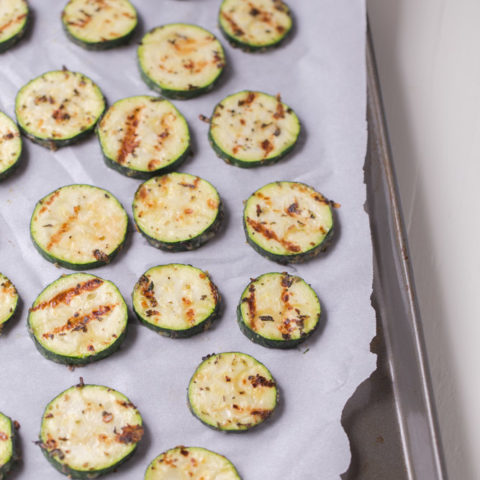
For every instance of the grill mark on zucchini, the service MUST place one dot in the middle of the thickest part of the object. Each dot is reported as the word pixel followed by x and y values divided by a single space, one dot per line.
pixel 271 235
pixel 130 142
pixel 55 238
pixel 18 19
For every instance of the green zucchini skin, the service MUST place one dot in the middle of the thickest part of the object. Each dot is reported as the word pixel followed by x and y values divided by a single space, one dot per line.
pixel 6 284
pixel 14 39
pixel 202 326
pixel 54 456
pixel 6 172
pixel 7 466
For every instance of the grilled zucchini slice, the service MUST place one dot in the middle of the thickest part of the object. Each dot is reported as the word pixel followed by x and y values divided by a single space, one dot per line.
pixel 187 463
pixel 78 319
pixel 176 300
pixel 278 310
pixel 14 15
pixel 250 129
pixel 288 222
pixel 255 25
pixel 89 430
pixel 181 60
pixel 8 300
pixel 79 226
pixel 143 136
pixel 10 146
pixel 177 211
pixel 98 25
pixel 232 392
pixel 58 108
pixel 7 444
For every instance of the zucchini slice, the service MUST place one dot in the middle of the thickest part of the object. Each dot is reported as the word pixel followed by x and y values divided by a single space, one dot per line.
pixel 288 222
pixel 232 392
pixel 180 60
pixel 250 129
pixel 187 463
pixel 176 300
pixel 79 226
pixel 14 15
pixel 8 300
pixel 278 310
pixel 143 136
pixel 7 444
pixel 58 108
pixel 255 25
pixel 177 211
pixel 78 319
pixel 89 430
pixel 10 146
pixel 98 25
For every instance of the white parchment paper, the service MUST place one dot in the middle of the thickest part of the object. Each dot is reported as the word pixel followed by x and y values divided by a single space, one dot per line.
pixel 320 72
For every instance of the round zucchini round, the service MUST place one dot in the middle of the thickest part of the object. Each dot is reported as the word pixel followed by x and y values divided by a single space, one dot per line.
pixel 185 463
pixel 278 310
pixel 7 444
pixel 256 25
pixel 10 146
pixel 181 60
pixel 79 226
pixel 89 430
pixel 99 25
pixel 177 211
pixel 14 16
pixel 232 392
pixel 288 222
pixel 176 300
pixel 8 300
pixel 58 108
pixel 144 136
pixel 78 319
pixel 251 129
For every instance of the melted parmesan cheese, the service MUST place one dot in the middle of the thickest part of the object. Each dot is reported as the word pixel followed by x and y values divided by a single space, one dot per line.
pixel 59 105
pixel 232 391
pixel 96 21
pixel 6 447
pixel 10 143
pixel 191 463
pixel 175 207
pixel 8 299
pixel 13 15
pixel 79 224
pixel 256 22
pixel 144 133
pixel 181 57
pixel 176 297
pixel 254 126
pixel 279 306
pixel 82 427
pixel 287 218
pixel 78 315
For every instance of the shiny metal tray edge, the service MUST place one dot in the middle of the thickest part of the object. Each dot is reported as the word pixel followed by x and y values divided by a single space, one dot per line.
pixel 391 419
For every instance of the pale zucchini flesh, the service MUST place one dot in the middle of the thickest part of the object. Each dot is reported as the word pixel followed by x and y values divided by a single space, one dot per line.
pixel 288 222
pixel 143 136
pixel 6 444
pixel 8 300
pixel 255 25
pixel 99 24
pixel 232 392
pixel 187 463
pixel 181 60
pixel 250 129
pixel 78 318
pixel 58 108
pixel 79 226
pixel 10 145
pixel 177 211
pixel 13 22
pixel 278 310
pixel 89 430
pixel 176 300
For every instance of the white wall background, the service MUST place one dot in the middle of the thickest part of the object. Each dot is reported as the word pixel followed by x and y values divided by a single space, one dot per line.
pixel 428 54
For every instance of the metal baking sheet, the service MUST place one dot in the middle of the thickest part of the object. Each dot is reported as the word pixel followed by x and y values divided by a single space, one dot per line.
pixel 391 419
